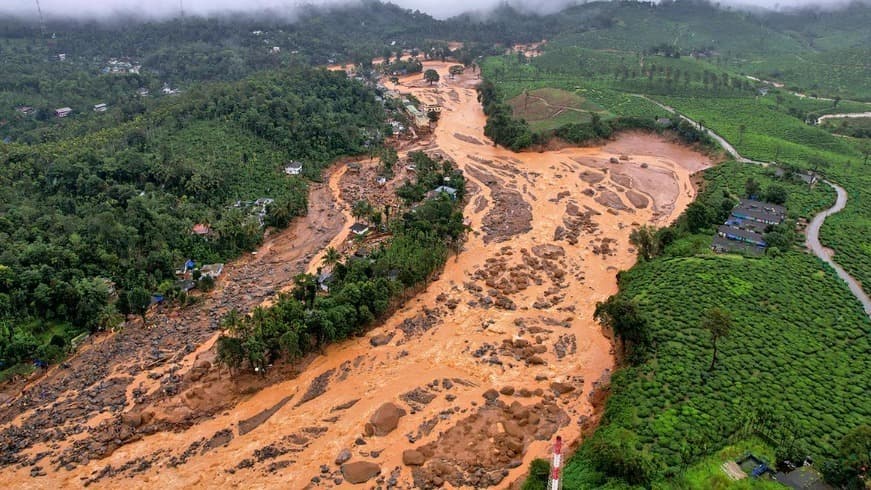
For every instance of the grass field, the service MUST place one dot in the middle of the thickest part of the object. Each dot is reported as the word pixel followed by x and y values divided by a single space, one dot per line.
pixel 828 56
pixel 707 473
pixel 550 108
pixel 584 93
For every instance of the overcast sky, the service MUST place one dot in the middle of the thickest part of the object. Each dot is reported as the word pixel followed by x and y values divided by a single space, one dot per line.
pixel 163 8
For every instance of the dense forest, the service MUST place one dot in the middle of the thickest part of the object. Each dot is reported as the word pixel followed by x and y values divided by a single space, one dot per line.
pixel 90 226
pixel 110 63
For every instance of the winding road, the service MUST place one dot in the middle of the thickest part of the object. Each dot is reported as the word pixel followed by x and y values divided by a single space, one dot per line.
pixel 813 231
pixel 825 254
pixel 848 115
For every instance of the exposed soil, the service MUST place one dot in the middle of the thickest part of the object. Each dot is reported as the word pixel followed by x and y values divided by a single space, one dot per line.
pixel 486 363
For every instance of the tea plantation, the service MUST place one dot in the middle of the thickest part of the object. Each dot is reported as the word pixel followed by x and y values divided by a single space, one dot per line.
pixel 771 134
pixel 794 370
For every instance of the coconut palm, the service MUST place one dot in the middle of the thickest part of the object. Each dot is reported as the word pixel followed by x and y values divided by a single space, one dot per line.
pixel 331 257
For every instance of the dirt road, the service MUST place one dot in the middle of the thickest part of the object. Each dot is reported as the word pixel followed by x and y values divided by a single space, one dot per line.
pixel 488 363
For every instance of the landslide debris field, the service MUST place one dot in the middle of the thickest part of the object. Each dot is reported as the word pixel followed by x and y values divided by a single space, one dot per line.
pixel 464 385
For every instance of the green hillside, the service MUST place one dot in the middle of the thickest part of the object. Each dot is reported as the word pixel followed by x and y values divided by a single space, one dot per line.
pixel 118 204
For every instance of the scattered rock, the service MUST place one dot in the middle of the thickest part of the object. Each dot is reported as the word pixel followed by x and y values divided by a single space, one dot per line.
pixel 561 388
pixel 381 339
pixel 343 457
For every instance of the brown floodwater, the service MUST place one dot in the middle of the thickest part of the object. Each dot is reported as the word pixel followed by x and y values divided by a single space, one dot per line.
pixel 539 192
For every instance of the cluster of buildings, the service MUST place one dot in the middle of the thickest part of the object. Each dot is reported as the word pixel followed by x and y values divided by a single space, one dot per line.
pixel 744 230
pixel 419 116
pixel 258 206
pixel 117 66
pixel 185 274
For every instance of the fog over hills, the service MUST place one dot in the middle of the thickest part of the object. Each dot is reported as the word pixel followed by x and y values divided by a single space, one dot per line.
pixel 101 9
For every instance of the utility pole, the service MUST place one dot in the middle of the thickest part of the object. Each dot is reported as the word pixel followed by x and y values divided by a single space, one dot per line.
pixel 555 482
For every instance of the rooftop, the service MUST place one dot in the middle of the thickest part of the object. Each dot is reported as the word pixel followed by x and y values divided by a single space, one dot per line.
pixel 747 235
pixel 359 228
pixel 446 189
pixel 760 210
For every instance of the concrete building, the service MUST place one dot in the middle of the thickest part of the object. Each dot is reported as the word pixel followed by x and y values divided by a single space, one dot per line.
pixel 293 168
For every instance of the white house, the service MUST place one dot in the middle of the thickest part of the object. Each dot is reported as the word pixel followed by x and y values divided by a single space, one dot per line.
pixel 100 108
pixel 63 112
pixel 359 229
pixel 293 168
pixel 212 270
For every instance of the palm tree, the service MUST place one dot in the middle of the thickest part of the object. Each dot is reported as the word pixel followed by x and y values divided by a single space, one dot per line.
pixel 331 257
pixel 231 320
pixel 361 209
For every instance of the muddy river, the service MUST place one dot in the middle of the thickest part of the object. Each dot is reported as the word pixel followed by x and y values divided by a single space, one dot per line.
pixel 475 374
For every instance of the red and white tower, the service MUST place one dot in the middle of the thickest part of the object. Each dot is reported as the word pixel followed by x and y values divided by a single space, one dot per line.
pixel 556 482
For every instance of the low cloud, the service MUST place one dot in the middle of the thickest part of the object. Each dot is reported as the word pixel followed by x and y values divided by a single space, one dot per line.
pixel 156 9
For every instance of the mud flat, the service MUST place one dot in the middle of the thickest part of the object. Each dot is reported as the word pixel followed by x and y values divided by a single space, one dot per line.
pixel 501 344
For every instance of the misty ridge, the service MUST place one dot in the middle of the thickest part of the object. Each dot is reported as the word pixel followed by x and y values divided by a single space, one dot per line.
pixel 156 10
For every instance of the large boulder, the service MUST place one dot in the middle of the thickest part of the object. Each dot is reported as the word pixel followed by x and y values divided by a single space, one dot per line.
pixel 132 419
pixel 412 457
pixel 360 471
pixel 384 420
pixel 379 340
pixel 561 388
